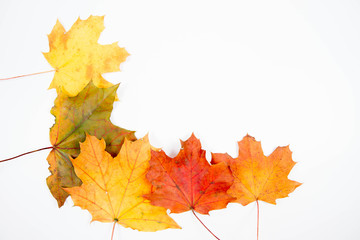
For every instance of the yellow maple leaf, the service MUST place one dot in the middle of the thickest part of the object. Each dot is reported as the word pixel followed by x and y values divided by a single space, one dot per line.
pixel 78 58
pixel 113 188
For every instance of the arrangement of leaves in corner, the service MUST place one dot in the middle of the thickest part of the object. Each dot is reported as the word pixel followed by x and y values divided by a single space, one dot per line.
pixel 85 99
pixel 123 180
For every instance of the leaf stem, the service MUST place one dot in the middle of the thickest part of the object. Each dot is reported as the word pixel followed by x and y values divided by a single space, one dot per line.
pixel 204 225
pixel 8 159
pixel 26 75
pixel 257 204
pixel 113 230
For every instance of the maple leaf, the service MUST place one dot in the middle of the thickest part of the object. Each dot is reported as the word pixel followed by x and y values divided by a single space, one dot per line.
pixel 78 58
pixel 188 181
pixel 257 177
pixel 112 188
pixel 89 112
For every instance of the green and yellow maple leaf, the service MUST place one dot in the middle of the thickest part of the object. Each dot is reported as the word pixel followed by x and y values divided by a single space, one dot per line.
pixel 88 112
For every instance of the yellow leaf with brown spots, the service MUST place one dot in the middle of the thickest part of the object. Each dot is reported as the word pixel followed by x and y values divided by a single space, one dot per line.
pixel 78 58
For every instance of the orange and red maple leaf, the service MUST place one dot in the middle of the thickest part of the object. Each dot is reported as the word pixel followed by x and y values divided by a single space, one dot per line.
pixel 188 181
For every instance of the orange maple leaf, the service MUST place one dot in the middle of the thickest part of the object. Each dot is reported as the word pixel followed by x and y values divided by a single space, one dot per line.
pixel 113 188
pixel 188 181
pixel 257 177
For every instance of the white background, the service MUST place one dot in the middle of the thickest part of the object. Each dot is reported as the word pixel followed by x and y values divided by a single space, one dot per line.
pixel 286 72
